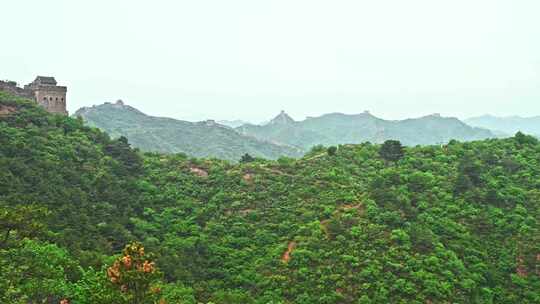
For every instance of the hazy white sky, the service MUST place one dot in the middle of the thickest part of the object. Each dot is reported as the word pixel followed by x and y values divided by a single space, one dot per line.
pixel 248 59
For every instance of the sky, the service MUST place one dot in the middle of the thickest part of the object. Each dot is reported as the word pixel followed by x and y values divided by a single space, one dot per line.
pixel 249 59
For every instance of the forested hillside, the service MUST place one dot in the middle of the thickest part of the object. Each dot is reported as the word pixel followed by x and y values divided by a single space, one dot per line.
pixel 338 128
pixel 349 224
pixel 167 135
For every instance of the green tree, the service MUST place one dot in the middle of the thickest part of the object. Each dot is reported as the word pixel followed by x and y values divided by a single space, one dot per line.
pixel 331 151
pixel 246 158
pixel 21 221
pixel 95 287
pixel 472 169
pixel 129 159
pixel 463 184
pixel 35 272
pixel 391 150
pixel 525 139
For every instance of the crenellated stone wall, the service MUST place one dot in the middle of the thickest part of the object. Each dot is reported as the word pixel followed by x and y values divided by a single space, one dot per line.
pixel 12 88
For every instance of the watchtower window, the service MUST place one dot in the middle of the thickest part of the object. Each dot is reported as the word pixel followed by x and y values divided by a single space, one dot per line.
pixel 50 98
pixel 56 98
pixel 44 98
pixel 62 99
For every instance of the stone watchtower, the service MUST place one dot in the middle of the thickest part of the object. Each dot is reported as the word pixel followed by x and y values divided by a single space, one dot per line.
pixel 47 94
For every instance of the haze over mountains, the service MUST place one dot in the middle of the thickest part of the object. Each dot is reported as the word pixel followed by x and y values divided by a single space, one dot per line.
pixel 281 136
pixel 507 125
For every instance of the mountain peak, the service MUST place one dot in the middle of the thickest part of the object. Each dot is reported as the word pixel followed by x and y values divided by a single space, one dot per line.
pixel 112 110
pixel 282 119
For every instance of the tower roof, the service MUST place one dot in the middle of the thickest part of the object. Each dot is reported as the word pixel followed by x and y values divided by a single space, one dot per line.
pixel 45 80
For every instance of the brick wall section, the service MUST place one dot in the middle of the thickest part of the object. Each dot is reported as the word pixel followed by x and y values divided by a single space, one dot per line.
pixel 12 88
pixel 53 99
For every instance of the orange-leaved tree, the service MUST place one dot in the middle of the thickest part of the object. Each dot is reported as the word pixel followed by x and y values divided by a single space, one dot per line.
pixel 136 275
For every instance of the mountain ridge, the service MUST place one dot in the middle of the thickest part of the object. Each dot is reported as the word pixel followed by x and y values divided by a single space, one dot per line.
pixel 507 125
pixel 339 128
pixel 280 136
pixel 161 134
pixel 281 119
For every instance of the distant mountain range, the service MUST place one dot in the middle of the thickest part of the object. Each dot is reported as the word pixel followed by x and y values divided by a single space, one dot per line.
pixel 198 139
pixel 337 128
pixel 281 136
pixel 508 125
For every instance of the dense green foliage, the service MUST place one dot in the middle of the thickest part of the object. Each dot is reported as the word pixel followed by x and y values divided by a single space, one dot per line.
pixel 199 139
pixel 337 128
pixel 391 150
pixel 451 224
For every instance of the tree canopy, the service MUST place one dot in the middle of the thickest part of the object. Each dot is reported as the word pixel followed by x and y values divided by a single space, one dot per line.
pixel 452 224
pixel 391 150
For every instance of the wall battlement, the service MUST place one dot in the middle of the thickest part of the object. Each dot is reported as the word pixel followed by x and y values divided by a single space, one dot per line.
pixel 12 88
pixel 42 90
